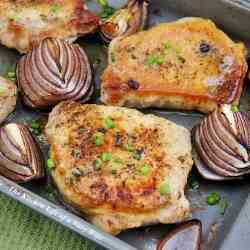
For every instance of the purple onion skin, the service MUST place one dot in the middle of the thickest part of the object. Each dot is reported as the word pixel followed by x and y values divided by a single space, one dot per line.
pixel 184 236
pixel 138 11
pixel 54 71
pixel 221 145
pixel 21 159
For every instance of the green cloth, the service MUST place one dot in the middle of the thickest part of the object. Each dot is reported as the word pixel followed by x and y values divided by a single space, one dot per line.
pixel 24 229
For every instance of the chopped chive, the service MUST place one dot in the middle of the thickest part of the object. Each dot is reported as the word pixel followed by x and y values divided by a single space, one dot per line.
pixel 155 60
pixel 55 8
pixel 213 199
pixel 112 57
pixel 109 123
pixel 118 160
pixel 106 156
pixel 152 60
pixel 145 169
pixel 102 2
pixel 129 147
pixel 234 108
pixel 165 189
pixel 136 156
pixel 98 164
pixel 178 50
pixel 194 184
pixel 77 152
pixel 98 138
pixel 50 164
pixel 36 126
pixel 223 206
pixel 2 90
pixel 167 45
pixel 11 75
pixel 114 171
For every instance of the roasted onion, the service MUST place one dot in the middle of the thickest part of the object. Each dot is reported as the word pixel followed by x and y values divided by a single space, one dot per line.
pixel 185 236
pixel 54 71
pixel 128 20
pixel 21 159
pixel 221 145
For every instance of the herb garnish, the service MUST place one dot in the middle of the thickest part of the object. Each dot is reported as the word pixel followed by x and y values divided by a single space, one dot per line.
pixel 213 199
pixel 106 156
pixel 98 164
pixel 2 90
pixel 36 126
pixel 107 10
pixel 50 164
pixel 11 75
pixel 145 169
pixel 77 152
pixel 234 108
pixel 129 147
pixel 109 123
pixel 223 206
pixel 165 189
pixel 194 184
pixel 118 160
pixel 98 138
pixel 55 8
pixel 154 60
pixel 167 45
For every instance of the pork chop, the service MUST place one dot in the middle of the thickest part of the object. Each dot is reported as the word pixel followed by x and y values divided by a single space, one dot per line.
pixel 23 23
pixel 8 96
pixel 119 167
pixel 188 64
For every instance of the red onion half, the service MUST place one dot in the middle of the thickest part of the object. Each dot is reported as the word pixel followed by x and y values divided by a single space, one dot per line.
pixel 184 236
pixel 221 145
pixel 21 159
pixel 128 20
pixel 54 71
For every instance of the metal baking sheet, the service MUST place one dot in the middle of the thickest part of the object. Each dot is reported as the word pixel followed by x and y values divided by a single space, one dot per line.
pixel 226 232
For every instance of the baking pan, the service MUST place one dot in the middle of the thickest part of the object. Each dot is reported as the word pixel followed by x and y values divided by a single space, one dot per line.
pixel 226 232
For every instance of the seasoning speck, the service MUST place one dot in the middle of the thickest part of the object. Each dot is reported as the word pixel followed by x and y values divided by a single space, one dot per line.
pixel 204 47
pixel 133 84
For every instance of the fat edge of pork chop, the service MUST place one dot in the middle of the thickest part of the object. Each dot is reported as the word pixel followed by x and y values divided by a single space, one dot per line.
pixel 135 178
pixel 189 64
pixel 24 23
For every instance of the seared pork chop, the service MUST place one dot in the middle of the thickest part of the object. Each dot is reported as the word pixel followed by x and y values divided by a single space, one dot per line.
pixel 188 64
pixel 23 23
pixel 121 168
pixel 8 96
